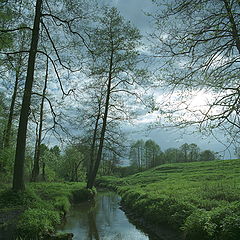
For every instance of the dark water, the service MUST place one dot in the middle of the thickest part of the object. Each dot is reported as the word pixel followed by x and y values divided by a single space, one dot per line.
pixel 101 220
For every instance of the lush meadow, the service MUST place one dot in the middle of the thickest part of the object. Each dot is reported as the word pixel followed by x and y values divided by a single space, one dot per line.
pixel 199 198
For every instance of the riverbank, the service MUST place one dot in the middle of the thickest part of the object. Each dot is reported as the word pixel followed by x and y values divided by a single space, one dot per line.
pixel 199 199
pixel 34 213
pixel 156 231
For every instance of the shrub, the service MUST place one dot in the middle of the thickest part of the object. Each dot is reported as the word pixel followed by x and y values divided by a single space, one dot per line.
pixel 62 204
pixel 10 198
pixel 198 226
pixel 230 228
pixel 36 221
pixel 6 163
pixel 83 194
pixel 227 219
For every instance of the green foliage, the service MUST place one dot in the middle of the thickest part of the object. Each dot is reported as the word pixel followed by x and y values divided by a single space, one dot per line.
pixel 62 204
pixel 71 168
pixel 207 155
pixel 83 194
pixel 10 198
pixel 6 164
pixel 50 191
pixel 145 155
pixel 6 15
pixel 201 198
pixel 227 220
pixel 221 223
pixel 43 204
pixel 198 226
pixel 36 221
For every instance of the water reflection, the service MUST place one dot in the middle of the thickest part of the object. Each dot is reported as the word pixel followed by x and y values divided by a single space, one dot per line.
pixel 92 227
pixel 101 220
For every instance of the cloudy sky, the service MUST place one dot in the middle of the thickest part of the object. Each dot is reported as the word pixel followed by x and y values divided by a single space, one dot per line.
pixel 133 10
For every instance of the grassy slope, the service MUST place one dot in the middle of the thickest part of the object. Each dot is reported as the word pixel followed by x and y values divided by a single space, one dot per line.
pixel 201 198
pixel 41 206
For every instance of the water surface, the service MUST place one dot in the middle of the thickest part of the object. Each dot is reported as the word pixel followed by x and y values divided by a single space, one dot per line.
pixel 101 219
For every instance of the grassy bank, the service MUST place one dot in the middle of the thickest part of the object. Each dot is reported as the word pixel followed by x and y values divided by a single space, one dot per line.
pixel 200 198
pixel 40 208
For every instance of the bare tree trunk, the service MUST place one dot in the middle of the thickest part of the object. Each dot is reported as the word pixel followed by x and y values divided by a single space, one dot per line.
pixel 76 173
pixel 92 177
pixel 7 133
pixel 43 171
pixel 17 67
pixel 18 175
pixel 92 150
pixel 36 167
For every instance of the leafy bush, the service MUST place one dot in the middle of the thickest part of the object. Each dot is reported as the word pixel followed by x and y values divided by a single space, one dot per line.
pixel 227 219
pixel 6 163
pixel 198 226
pixel 83 194
pixel 230 228
pixel 62 204
pixel 10 198
pixel 43 204
pixel 36 221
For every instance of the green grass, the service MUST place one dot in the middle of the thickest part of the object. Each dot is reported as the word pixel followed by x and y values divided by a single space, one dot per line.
pixel 200 198
pixel 42 205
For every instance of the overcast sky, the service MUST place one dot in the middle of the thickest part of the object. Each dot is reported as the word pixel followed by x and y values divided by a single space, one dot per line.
pixel 133 10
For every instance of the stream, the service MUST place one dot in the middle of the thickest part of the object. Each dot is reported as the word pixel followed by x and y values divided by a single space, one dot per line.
pixel 103 219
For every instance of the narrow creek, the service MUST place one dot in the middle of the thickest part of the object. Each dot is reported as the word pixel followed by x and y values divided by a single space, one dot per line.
pixel 102 219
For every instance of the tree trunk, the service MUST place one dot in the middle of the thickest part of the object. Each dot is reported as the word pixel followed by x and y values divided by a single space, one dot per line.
pixel 92 177
pixel 43 171
pixel 92 150
pixel 18 175
pixel 17 67
pixel 35 171
pixel 7 133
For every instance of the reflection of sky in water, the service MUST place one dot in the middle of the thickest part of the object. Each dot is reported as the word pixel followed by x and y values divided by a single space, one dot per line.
pixel 101 221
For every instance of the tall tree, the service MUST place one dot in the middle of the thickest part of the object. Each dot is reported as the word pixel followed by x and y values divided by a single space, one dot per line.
pixel 3 116
pixel 114 63
pixel 35 171
pixel 136 155
pixel 185 152
pixel 18 176
pixel 66 19
pixel 193 152
pixel 173 155
pixel 207 155
pixel 152 151
pixel 16 66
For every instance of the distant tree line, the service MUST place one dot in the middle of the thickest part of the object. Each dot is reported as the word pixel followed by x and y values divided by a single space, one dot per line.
pixel 70 164
pixel 148 154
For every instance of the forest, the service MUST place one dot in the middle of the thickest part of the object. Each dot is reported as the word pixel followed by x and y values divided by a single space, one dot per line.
pixel 78 76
